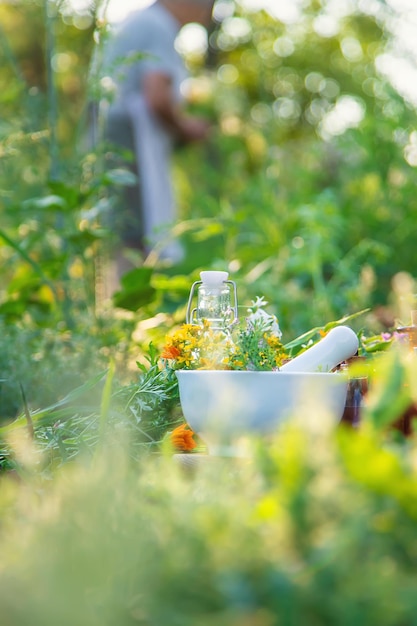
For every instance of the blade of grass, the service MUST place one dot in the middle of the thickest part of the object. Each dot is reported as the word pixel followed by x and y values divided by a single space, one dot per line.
pixel 36 416
pixel 13 244
pixel 28 416
pixel 302 339
pixel 105 400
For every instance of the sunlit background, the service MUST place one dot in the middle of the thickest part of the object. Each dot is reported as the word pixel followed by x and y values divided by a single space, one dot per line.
pixel 398 65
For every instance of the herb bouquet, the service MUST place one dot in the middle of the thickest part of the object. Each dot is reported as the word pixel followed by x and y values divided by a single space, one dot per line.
pixel 253 345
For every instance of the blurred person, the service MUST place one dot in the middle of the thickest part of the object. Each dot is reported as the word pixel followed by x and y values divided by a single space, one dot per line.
pixel 146 115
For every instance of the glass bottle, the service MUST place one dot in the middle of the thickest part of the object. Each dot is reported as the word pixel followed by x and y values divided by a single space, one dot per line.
pixel 216 301
pixel 357 390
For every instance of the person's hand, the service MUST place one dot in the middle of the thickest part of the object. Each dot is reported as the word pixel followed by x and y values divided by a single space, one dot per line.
pixel 159 98
pixel 194 129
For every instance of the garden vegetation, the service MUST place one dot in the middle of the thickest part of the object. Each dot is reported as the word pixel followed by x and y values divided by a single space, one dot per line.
pixel 305 194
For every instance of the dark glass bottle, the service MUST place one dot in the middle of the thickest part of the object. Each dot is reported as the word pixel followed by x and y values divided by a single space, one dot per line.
pixel 357 388
pixel 407 336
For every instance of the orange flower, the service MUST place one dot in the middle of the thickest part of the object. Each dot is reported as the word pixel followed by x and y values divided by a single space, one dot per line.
pixel 182 438
pixel 170 352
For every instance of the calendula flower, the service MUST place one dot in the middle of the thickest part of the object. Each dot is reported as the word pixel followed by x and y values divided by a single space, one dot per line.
pixel 170 352
pixel 182 438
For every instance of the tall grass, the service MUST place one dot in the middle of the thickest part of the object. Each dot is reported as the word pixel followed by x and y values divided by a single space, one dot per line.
pixel 316 527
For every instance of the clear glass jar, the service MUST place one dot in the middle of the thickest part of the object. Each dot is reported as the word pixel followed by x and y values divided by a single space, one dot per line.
pixel 216 301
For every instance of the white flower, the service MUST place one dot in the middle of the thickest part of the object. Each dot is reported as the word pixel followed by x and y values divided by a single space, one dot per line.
pixel 259 303
pixel 259 317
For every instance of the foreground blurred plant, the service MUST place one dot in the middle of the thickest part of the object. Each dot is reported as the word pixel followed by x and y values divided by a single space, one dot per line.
pixel 317 526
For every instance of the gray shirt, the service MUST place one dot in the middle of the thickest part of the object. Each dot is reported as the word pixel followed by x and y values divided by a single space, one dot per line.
pixel 151 31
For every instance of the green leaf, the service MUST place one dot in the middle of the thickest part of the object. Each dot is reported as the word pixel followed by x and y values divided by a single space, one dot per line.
pixel 13 244
pixel 71 194
pixel 211 230
pixel 136 289
pixel 178 282
pixel 85 237
pixel 52 202
pixel 122 177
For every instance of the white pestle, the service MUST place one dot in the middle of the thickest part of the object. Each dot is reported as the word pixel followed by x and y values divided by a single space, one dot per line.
pixel 339 344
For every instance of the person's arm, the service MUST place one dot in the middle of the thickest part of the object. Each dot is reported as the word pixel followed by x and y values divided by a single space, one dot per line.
pixel 158 95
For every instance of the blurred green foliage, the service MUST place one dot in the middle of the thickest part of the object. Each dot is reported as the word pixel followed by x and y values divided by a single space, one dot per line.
pixel 305 193
pixel 317 526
